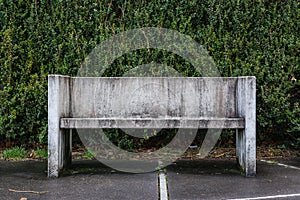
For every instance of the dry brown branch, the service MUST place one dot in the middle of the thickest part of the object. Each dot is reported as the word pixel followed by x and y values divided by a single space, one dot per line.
pixel 27 191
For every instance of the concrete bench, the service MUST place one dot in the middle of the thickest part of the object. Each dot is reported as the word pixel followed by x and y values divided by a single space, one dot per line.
pixel 150 102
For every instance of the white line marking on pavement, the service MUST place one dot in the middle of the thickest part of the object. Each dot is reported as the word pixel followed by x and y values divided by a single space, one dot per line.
pixel 275 196
pixel 280 164
pixel 269 197
pixel 163 188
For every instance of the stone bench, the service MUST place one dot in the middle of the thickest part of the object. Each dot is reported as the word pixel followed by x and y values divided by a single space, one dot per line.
pixel 150 102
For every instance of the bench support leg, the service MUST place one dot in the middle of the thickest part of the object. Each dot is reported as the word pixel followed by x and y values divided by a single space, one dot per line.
pixel 246 138
pixel 246 152
pixel 59 140
pixel 60 152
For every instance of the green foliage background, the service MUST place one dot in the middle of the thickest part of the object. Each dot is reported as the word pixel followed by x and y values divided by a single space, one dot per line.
pixel 245 37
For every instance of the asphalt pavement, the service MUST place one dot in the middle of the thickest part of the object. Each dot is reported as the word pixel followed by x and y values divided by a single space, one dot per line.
pixel 184 179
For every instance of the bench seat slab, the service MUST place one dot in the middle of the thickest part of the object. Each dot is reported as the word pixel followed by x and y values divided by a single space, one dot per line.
pixel 144 123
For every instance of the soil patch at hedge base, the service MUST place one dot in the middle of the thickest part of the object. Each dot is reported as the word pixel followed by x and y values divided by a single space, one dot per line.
pixel 217 153
pixel 79 152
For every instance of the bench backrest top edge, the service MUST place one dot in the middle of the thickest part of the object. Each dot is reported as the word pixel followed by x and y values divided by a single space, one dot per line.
pixel 239 77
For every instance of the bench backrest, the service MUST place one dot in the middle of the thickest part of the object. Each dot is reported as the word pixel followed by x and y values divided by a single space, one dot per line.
pixel 154 97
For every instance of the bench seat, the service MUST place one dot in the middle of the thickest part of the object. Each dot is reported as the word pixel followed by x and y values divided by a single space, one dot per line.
pixel 174 122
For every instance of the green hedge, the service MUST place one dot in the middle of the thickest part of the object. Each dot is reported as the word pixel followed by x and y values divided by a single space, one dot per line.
pixel 244 37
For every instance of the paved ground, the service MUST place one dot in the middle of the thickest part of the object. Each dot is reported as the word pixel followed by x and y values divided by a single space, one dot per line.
pixel 87 180
pixel 205 179
pixel 222 180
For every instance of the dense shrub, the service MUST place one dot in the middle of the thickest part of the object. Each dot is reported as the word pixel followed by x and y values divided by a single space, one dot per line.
pixel 259 38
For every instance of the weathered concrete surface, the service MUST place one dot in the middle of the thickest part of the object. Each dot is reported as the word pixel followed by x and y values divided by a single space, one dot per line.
pixel 219 179
pixel 246 138
pixel 182 100
pixel 59 140
pixel 86 180
pixel 152 123
pixel 154 97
